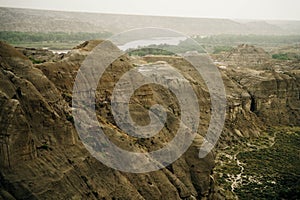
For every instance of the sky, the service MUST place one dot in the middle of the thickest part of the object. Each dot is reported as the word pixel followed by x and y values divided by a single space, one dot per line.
pixel 232 9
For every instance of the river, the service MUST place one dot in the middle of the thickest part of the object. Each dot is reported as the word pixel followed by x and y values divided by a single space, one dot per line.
pixel 155 40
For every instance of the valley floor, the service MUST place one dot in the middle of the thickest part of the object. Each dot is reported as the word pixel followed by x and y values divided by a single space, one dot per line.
pixel 267 167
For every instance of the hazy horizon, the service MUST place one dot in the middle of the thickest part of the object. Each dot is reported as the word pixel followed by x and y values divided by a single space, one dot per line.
pixel 231 9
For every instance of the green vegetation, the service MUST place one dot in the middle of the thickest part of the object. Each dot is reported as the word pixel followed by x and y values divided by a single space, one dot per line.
pixel 221 43
pixel 271 166
pixel 51 39
pixel 166 49
pixel 277 169
pixel 35 61
pixel 148 51
pixel 219 49
pixel 26 37
pixel 280 56
pixel 214 44
pixel 286 56
pixel 262 40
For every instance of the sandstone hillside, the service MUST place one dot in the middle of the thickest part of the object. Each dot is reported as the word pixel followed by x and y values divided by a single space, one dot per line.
pixel 42 156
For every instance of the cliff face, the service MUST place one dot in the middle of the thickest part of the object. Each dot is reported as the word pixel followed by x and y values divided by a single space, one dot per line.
pixel 273 86
pixel 274 95
pixel 42 157
pixel 240 120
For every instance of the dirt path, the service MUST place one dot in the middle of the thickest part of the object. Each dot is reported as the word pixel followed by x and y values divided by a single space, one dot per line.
pixel 237 180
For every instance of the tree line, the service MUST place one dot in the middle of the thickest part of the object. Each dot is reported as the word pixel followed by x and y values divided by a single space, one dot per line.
pixel 16 37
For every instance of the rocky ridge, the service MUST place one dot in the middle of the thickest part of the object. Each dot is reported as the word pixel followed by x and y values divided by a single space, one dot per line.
pixel 43 158
pixel 273 86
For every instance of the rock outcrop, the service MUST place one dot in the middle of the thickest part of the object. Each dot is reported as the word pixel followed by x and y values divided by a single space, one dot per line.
pixel 274 95
pixel 40 55
pixel 247 56
pixel 273 85
pixel 240 120
pixel 42 156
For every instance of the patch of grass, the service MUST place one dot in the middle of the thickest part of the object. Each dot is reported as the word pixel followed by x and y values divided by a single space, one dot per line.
pixel 271 167
pixel 280 56
pixel 277 169
pixel 49 44
pixel 36 61
pixel 219 49
pixel 59 37
pixel 149 51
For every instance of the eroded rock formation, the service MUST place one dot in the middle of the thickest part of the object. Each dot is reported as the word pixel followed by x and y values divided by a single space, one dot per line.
pixel 43 158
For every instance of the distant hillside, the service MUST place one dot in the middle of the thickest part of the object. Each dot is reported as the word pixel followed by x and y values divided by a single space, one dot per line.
pixel 12 19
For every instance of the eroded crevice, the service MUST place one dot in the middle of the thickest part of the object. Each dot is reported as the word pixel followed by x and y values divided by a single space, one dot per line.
pixel 253 104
